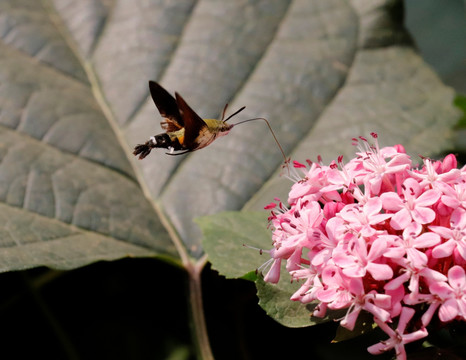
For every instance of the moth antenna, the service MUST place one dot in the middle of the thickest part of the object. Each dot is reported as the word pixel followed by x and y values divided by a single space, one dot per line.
pixel 224 111
pixel 287 161
pixel 235 113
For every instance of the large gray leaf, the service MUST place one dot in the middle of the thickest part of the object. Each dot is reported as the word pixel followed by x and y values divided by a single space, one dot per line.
pixel 74 101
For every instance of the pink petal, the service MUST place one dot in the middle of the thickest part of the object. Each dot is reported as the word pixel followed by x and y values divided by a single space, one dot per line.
pixel 354 271
pixel 426 240
pixel 450 176
pixel 423 215
pixel 383 301
pixel 391 201
pixel 299 189
pixel 413 229
pixel 274 273
pixel 397 282
pixel 417 258
pixel 462 307
pixel 294 261
pixel 412 188
pixel 327 295
pixel 320 257
pixel 433 275
pixel 427 316
pixel 458 218
pixel 461 248
pixel 350 213
pixel 394 252
pixel 379 348
pixel 380 271
pixel 396 168
pixel 414 336
pixel 350 319
pixel 444 250
pixel 405 316
pixel 457 278
pixel 313 214
pixel 450 201
pixel 429 197
pixel 448 310
pixel 401 219
pixel 450 163
pixel 382 314
pixel 356 286
pixel 379 246
pixel 442 231
pixel 376 184
pixel 377 219
pixel 373 206
pixel 320 310
pixel 441 289
pixel 343 260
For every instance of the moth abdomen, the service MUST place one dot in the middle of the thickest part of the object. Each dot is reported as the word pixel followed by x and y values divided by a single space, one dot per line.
pixel 157 141
pixel 161 141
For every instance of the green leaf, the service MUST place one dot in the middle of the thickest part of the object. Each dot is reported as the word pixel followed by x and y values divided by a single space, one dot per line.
pixel 74 102
pixel 364 324
pixel 30 240
pixel 275 300
pixel 225 237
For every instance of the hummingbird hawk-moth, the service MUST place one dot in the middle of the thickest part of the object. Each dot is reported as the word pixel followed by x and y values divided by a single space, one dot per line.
pixel 185 131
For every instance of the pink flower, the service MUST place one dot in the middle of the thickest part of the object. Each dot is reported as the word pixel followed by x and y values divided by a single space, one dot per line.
pixel 453 294
pixel 336 288
pixel 397 338
pixel 430 176
pixel 454 195
pixel 372 302
pixel 375 234
pixel 455 235
pixel 412 240
pixel 301 228
pixel 434 302
pixel 328 242
pixel 380 163
pixel 357 259
pixel 413 273
pixel 413 206
pixel 344 178
pixel 306 293
pixel 314 185
pixel 363 218
pixel 273 275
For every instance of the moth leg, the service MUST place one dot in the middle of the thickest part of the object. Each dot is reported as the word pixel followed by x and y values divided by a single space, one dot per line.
pixel 181 153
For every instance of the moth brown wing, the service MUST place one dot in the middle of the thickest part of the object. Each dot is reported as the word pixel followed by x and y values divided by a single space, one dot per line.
pixel 170 126
pixel 167 106
pixel 193 124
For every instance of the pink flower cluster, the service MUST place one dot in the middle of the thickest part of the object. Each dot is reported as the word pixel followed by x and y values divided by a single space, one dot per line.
pixel 379 235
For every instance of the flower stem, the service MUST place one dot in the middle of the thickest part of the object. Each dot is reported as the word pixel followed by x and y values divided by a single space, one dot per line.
pixel 198 324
